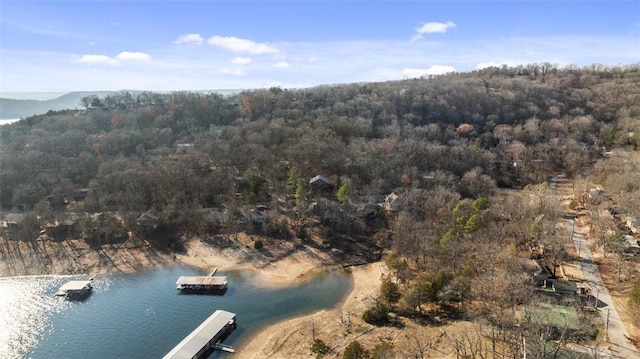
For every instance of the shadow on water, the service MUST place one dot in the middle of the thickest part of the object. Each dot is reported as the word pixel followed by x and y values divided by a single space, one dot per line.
pixel 81 297
pixel 203 291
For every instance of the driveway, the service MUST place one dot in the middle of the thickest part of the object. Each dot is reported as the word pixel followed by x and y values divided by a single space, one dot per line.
pixel 616 334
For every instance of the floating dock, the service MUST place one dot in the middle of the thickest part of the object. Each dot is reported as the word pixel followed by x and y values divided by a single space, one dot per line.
pixel 201 283
pixel 75 288
pixel 206 337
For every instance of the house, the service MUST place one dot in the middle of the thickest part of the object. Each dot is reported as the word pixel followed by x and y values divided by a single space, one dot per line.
pixel 257 216
pixel 147 220
pixel 322 185
pixel 10 224
pixel 321 182
pixel 60 229
pixel 390 202
pixel 547 284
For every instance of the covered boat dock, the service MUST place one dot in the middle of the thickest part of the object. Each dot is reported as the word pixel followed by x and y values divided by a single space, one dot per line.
pixel 205 337
pixel 75 288
pixel 202 283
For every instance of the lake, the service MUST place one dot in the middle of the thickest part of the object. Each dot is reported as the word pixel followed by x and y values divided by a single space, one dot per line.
pixel 142 315
pixel 6 121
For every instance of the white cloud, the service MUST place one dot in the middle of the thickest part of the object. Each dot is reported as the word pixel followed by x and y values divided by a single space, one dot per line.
pixel 432 27
pixel 235 44
pixel 133 56
pixel 105 60
pixel 241 60
pixel 194 39
pixel 281 65
pixel 411 73
pixel 176 67
pixel 96 60
pixel 435 27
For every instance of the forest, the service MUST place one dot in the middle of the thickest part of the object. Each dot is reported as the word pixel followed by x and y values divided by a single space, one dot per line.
pixel 425 168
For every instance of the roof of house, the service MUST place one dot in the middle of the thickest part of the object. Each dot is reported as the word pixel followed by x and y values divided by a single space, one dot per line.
pixel 564 286
pixel 148 216
pixel 321 179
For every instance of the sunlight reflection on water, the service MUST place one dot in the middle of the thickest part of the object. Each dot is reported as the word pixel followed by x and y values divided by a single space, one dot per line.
pixel 26 307
pixel 142 315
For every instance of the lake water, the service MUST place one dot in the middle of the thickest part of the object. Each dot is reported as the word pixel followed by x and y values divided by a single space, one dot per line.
pixel 6 121
pixel 142 315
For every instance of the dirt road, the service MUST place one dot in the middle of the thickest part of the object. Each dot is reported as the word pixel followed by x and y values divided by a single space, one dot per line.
pixel 616 333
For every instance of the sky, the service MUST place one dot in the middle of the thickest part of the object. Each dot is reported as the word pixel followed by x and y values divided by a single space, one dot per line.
pixel 61 46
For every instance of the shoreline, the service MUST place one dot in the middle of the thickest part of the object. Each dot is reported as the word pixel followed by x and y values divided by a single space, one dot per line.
pixel 292 337
pixel 275 340
pixel 245 344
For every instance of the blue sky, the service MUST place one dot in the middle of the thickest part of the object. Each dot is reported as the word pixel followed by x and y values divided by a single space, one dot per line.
pixel 197 45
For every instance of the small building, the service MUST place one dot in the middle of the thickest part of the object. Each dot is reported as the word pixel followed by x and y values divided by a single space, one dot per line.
pixel 321 182
pixel 390 202
pixel 547 284
pixel 10 224
pixel 205 337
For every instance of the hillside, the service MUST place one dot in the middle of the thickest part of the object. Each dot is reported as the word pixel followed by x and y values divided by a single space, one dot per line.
pixel 447 178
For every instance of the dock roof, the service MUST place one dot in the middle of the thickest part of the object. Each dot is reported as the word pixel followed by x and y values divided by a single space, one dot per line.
pixel 202 280
pixel 203 334
pixel 74 285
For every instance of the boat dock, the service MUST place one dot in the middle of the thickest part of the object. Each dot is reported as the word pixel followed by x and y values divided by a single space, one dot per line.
pixel 75 288
pixel 201 283
pixel 206 337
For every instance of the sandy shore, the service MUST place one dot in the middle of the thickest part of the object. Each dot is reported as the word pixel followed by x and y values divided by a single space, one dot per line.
pixel 75 257
pixel 292 338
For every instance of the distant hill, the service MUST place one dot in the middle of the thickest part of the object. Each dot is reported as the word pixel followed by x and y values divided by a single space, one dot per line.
pixel 13 108
pixel 20 108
